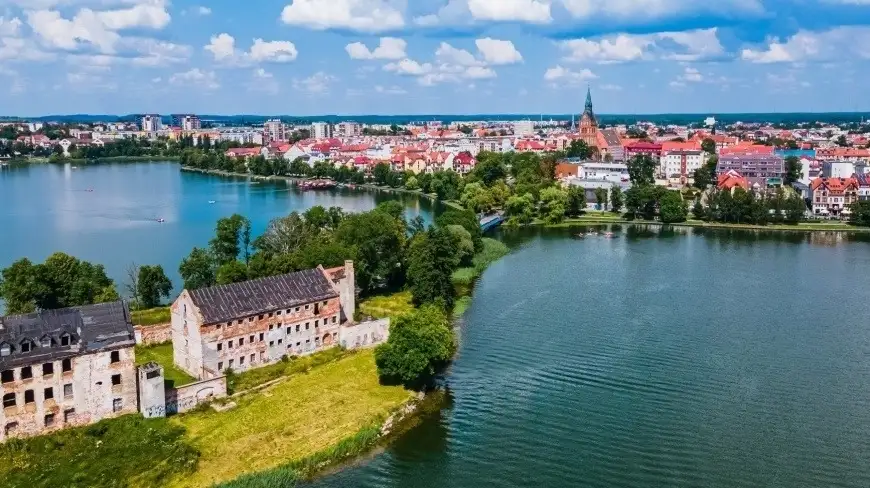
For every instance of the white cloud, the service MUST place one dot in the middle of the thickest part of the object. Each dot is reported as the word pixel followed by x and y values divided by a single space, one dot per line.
pixel 357 15
pixel 559 73
pixel 390 90
pixel 691 75
pixel 388 48
pixel 654 9
pixel 409 67
pixel 448 54
pixel 497 52
pixel 273 51
pixel 317 83
pixel 201 10
pixel 222 46
pixel 223 49
pixel 619 48
pixel 610 87
pixel 98 28
pixel 534 11
pixel 151 52
pixel 11 27
pixel 451 65
pixel 196 78
pixel 839 43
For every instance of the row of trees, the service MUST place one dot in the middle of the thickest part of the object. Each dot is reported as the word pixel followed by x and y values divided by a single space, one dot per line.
pixel 747 207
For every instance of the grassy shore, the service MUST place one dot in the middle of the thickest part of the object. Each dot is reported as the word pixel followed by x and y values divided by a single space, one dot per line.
pixel 604 218
pixel 151 316
pixel 292 420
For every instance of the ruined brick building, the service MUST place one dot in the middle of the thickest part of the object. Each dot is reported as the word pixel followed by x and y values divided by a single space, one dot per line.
pixel 250 324
pixel 66 367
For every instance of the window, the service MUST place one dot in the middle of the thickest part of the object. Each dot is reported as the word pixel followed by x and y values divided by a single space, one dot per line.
pixel 251 339
pixel 11 428
pixel 297 327
pixel 241 341
pixel 230 345
pixel 271 327
pixel 307 307
pixel 324 303
pixel 220 367
pixel 231 363
pixel 45 341
pixel 67 390
pixel 289 330
pixel 335 319
pixel 316 323
pixel 66 365
pixel 251 319
pixel 49 420
pixel 261 337
pixel 297 309
pixel 278 312
pixel 26 346
pixel 298 344
pixel 220 347
pixel 116 380
pixel 115 357
pixel 29 397
pixel 7 376
pixel 48 394
pixel 307 325
pixel 316 309
pixel 184 310
pixel 9 400
pixel 5 349
pixel 26 373
pixel 270 314
pixel 253 358
pixel 259 317
pixel 69 415
pixel 241 360
pixel 240 321
pixel 47 369
pixel 280 341
pixel 117 405
pixel 271 343
pixel 230 323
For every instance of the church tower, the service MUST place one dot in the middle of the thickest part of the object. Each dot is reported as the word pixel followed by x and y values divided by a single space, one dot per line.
pixel 588 122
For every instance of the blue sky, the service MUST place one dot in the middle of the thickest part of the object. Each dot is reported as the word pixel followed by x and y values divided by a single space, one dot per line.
pixel 309 57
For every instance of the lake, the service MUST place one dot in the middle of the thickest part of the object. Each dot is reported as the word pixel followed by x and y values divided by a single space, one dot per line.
pixel 107 213
pixel 658 358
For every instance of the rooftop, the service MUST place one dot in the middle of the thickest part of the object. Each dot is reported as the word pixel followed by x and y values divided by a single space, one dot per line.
pixel 228 302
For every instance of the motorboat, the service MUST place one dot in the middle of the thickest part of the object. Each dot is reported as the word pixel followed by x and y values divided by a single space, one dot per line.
pixel 212 202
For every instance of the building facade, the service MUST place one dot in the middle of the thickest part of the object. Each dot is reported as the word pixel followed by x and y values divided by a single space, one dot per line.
pixel 348 129
pixel 321 130
pixel 65 368
pixel 150 123
pixel 258 322
pixel 760 169
pixel 681 163
pixel 186 121
pixel 588 123
pixel 832 196
pixel 274 130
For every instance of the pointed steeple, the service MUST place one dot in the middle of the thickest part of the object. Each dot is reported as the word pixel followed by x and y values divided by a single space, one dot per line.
pixel 588 108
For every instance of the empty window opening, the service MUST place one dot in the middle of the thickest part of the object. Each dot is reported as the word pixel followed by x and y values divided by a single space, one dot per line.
pixel 47 369
pixel 48 394
pixel 29 397
pixel 7 376
pixel 115 357
pixel 116 380
pixel 9 400
pixel 66 365
pixel 26 373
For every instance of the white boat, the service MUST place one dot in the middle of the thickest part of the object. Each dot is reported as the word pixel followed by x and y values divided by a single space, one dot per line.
pixel 212 202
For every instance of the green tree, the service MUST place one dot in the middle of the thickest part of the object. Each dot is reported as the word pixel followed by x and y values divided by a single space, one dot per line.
pixel 489 169
pixel 708 146
pixel 232 272
pixel 579 149
pixel 412 183
pixel 601 198
pixel 467 219
pixel 520 209
pixel 576 200
pixel 672 209
pixel 641 170
pixel 793 169
pixel 698 210
pixel 197 269
pixel 463 245
pixel 299 167
pixel 860 213
pixel 554 204
pixel 431 262
pixel 232 238
pixel 378 241
pixel 421 343
pixel 152 285
pixel 706 174
pixel 18 286
pixel 381 173
pixel 615 199
pixel 477 198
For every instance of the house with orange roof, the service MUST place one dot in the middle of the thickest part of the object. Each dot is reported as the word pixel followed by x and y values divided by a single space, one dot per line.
pixel 747 147
pixel 832 196
pixel 731 180
pixel 843 154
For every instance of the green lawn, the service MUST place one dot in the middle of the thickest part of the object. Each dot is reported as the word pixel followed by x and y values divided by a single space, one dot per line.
pixel 162 354
pixel 256 377
pixel 387 306
pixel 289 421
pixel 153 316
pixel 492 251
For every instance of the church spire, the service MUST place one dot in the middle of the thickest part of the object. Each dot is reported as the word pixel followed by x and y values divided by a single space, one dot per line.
pixel 588 108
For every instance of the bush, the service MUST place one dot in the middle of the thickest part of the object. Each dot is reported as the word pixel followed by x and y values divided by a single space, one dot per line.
pixel 420 344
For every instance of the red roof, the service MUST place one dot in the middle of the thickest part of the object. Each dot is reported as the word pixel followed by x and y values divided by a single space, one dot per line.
pixel 835 185
pixel 243 151
pixel 644 146
pixel 732 179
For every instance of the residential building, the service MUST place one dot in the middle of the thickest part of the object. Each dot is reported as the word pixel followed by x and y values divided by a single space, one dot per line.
pixel 64 368
pixel 274 130
pixel 863 180
pixel 258 322
pixel 637 148
pixel 681 163
pixel 150 123
pixel 613 144
pixel 837 169
pixel 348 129
pixel 524 128
pixel 186 121
pixel 321 130
pixel 832 196
pixel 762 169
pixel 731 180
pixel 588 122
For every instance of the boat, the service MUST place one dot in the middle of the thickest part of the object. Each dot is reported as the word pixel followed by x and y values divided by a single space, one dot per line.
pixel 324 184
pixel 212 202
pixel 90 190
pixel 608 234
pixel 591 233
pixel 160 221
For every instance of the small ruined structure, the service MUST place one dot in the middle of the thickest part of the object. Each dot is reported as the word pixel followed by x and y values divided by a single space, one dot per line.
pixel 66 367
pixel 254 323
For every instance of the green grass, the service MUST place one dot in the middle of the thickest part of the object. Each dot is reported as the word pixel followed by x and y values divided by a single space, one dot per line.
pixel 492 251
pixel 461 306
pixel 256 377
pixel 290 421
pixel 125 452
pixel 152 316
pixel 162 354
pixel 389 306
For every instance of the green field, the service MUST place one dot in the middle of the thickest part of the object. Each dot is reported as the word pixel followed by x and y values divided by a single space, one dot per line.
pixel 258 376
pixel 162 354
pixel 391 306
pixel 152 316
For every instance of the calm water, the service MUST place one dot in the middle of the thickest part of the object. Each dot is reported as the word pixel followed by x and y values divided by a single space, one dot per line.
pixel 48 208
pixel 653 360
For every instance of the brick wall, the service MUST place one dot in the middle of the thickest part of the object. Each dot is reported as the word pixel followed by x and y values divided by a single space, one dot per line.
pixel 147 335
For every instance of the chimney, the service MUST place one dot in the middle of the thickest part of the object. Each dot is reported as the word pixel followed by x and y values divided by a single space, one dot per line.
pixel 348 292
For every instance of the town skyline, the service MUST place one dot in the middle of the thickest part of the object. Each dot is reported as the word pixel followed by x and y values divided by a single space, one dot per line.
pixel 309 58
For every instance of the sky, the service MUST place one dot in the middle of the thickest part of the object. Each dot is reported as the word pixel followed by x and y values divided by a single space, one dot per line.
pixel 315 57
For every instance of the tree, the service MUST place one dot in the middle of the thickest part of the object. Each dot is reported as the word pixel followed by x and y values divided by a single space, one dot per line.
pixel 793 169
pixel 860 213
pixel 378 241
pixel 18 287
pixel 795 209
pixel 232 272
pixel 576 200
pixel 706 175
pixel 554 203
pixel 299 167
pixel 477 198
pixel 672 209
pixel 641 170
pixel 601 198
pixel 841 141
pixel 463 245
pixel 698 210
pixel 579 149
pixel 412 183
pixel 420 344
pixel 708 146
pixel 489 169
pixel 285 235
pixel 615 199
pixel 197 269
pixel 381 173
pixel 232 237
pixel 467 219
pixel 152 285
pixel 431 262
pixel 520 210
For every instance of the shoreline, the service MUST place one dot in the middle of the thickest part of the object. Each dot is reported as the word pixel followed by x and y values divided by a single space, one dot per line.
pixel 801 227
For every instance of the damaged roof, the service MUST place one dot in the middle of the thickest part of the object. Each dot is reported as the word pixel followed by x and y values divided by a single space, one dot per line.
pixel 228 302
pixel 39 337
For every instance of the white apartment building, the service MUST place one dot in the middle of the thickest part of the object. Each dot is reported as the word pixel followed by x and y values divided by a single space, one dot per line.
pixel 150 123
pixel 348 129
pixel 274 130
pixel 681 163
pixel 611 172
pixel 321 130
pixel 524 128
pixel 241 135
